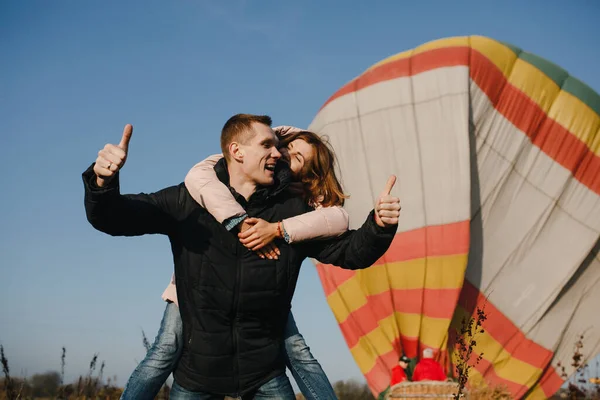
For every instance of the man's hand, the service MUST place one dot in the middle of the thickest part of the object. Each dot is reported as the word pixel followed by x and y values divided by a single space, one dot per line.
pixel 257 235
pixel 387 208
pixel 112 158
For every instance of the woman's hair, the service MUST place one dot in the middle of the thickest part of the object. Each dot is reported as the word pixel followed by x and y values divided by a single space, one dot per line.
pixel 318 179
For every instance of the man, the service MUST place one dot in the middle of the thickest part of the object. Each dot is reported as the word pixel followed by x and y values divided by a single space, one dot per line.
pixel 398 372
pixel 233 304
pixel 428 369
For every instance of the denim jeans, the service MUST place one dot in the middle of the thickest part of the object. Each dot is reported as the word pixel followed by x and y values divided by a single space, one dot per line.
pixel 278 388
pixel 149 376
pixel 179 393
pixel 307 371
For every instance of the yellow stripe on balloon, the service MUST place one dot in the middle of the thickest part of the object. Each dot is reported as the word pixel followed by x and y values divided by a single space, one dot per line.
pixel 369 347
pixel 500 55
pixel 433 331
pixel 536 85
pixel 410 324
pixel 344 300
pixel 389 327
pixel 444 272
pixel 587 124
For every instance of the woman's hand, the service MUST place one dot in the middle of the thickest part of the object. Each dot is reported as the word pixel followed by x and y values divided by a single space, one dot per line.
pixel 258 237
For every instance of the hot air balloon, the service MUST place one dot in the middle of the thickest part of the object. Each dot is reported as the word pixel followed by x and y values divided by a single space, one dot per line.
pixel 497 153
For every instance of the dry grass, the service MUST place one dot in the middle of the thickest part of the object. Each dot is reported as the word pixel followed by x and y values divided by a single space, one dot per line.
pixel 93 386
pixel 51 385
pixel 10 386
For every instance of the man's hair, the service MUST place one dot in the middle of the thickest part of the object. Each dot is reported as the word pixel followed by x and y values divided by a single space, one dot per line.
pixel 239 129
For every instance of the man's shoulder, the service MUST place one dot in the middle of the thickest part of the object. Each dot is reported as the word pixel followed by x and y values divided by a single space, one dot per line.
pixel 179 198
pixel 186 200
pixel 177 192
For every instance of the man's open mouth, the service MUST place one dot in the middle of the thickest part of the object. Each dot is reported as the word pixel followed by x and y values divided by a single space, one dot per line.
pixel 270 167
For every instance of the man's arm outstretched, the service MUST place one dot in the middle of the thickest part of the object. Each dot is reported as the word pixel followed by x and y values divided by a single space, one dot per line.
pixel 125 215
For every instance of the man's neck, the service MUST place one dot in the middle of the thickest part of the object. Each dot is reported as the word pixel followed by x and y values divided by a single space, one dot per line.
pixel 240 182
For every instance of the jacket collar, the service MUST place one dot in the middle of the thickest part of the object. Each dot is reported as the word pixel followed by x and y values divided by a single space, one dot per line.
pixel 283 178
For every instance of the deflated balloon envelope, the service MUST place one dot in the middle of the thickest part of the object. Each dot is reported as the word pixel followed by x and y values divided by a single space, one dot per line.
pixel 497 153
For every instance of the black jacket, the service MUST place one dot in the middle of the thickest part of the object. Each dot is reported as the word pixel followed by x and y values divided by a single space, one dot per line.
pixel 234 305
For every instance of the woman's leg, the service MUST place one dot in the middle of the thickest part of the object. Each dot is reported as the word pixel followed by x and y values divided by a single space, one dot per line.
pixel 307 371
pixel 149 376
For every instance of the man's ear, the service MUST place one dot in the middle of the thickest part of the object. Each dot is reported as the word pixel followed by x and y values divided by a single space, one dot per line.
pixel 236 151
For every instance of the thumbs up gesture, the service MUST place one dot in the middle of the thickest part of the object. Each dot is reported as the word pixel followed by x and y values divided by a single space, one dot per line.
pixel 387 208
pixel 112 158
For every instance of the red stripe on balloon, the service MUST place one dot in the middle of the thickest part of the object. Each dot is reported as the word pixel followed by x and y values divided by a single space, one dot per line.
pixel 549 136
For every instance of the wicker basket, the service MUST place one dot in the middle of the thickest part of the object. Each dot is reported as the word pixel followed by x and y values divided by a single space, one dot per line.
pixel 423 390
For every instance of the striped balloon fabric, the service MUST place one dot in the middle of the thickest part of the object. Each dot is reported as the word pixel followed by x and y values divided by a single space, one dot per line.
pixel 497 153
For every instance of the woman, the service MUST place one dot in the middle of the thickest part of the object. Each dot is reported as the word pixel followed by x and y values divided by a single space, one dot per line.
pixel 312 164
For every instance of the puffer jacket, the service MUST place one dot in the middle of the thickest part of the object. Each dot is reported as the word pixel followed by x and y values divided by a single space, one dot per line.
pixel 234 305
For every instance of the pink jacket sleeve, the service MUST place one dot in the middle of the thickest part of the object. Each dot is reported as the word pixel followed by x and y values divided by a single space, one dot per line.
pixel 215 197
pixel 204 186
pixel 323 222
pixel 210 192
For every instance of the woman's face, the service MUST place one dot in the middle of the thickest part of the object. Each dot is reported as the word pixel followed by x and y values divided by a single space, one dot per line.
pixel 299 153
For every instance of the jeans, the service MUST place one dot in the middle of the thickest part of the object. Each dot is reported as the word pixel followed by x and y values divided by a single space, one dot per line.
pixel 149 376
pixel 307 371
pixel 278 388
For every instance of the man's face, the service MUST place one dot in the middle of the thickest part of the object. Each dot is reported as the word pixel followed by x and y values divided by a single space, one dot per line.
pixel 261 155
pixel 403 364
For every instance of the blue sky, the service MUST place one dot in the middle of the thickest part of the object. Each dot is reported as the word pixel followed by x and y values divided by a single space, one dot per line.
pixel 73 73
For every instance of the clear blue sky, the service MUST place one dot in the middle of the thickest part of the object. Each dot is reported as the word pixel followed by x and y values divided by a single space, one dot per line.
pixel 72 73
